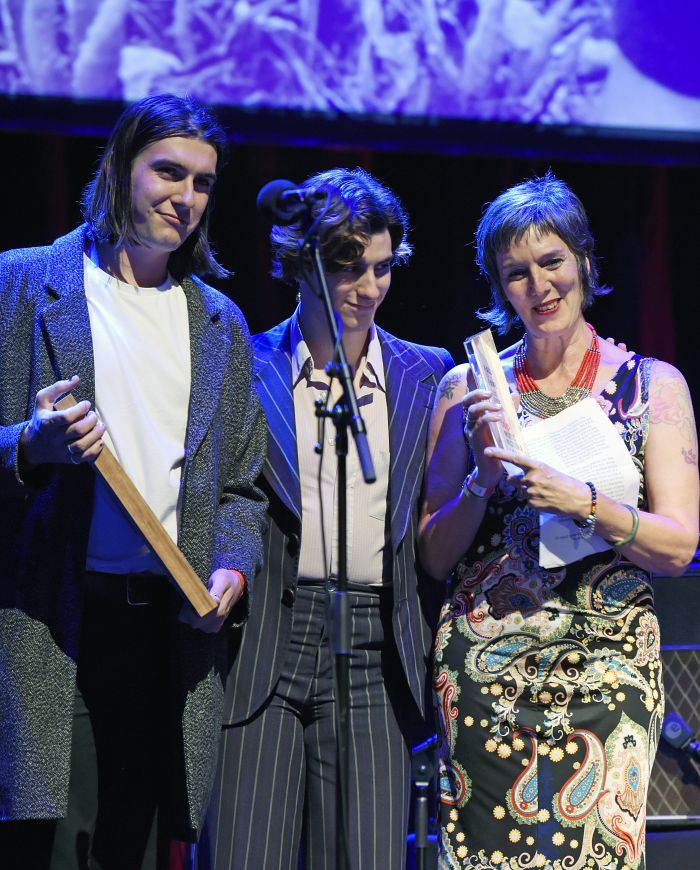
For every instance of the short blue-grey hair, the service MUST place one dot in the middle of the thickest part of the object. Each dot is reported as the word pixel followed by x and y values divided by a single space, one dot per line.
pixel 544 205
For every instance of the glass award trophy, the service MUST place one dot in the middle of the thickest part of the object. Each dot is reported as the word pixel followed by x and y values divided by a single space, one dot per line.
pixel 486 366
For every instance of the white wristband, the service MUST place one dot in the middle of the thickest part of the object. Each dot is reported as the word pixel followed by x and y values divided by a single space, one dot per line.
pixel 473 488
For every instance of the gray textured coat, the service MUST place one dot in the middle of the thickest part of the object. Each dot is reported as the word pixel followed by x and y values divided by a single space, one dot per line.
pixel 45 520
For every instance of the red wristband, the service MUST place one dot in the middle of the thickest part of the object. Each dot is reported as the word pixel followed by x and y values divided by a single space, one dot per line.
pixel 241 576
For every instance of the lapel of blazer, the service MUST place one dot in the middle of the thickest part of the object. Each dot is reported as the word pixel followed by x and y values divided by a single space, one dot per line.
pixel 65 315
pixel 273 375
pixel 209 349
pixel 409 403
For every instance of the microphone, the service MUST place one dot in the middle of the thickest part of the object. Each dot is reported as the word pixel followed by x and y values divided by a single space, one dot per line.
pixel 283 203
pixel 680 735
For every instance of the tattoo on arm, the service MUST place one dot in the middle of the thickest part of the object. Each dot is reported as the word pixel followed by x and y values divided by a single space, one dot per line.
pixel 671 406
pixel 690 456
pixel 448 386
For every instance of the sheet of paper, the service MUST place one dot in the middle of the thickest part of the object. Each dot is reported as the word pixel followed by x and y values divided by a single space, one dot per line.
pixel 583 443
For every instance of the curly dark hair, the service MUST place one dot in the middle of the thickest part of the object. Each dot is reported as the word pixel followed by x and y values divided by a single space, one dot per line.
pixel 359 207
pixel 545 205
pixel 106 200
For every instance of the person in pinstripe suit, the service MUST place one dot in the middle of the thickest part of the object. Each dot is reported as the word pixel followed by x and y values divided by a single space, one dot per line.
pixel 274 797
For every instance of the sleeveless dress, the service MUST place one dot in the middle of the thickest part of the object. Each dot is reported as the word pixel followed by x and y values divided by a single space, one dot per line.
pixel 549 689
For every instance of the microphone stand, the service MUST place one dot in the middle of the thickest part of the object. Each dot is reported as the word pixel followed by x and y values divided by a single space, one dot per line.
pixel 345 414
pixel 422 770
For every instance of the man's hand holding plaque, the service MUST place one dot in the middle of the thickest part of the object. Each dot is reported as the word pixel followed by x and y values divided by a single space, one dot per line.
pixel 209 610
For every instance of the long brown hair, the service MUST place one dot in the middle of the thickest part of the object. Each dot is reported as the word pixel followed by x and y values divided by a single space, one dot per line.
pixel 106 200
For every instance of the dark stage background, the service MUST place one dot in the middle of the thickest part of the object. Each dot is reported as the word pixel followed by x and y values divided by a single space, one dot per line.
pixel 646 219
pixel 645 216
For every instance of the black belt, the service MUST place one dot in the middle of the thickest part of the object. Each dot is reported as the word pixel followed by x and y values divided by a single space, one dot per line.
pixel 331 585
pixel 136 589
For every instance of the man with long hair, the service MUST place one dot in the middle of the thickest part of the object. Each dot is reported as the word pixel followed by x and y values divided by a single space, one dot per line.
pixel 110 705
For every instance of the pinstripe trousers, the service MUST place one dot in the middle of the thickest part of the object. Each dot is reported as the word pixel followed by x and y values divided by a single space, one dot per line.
pixel 276 785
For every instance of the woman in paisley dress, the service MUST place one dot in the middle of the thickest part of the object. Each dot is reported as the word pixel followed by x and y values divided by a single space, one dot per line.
pixel 549 681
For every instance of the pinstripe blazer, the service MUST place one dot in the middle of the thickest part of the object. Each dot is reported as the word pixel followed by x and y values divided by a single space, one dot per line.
pixel 45 335
pixel 413 373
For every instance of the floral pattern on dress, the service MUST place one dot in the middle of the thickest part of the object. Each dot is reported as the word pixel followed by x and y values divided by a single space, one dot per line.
pixel 549 689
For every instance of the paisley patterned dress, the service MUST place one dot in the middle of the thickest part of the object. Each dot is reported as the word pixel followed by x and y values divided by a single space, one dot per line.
pixel 549 689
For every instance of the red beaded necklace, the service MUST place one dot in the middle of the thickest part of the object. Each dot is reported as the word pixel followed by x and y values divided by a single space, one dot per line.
pixel 541 405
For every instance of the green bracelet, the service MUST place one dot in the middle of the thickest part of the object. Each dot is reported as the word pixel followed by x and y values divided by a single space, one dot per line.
pixel 635 527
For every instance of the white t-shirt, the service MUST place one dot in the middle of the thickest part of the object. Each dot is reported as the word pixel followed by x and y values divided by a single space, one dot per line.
pixel 141 345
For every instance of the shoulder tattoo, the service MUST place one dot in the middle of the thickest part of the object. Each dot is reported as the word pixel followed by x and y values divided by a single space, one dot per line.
pixel 672 407
pixel 448 385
